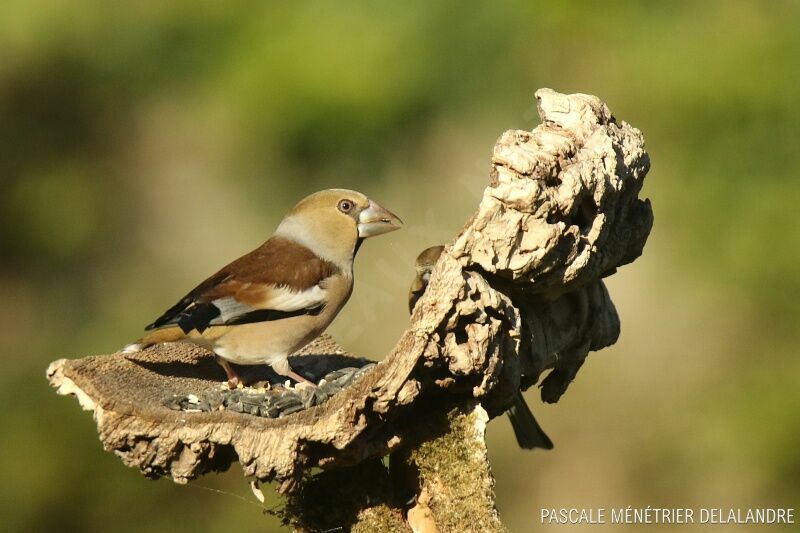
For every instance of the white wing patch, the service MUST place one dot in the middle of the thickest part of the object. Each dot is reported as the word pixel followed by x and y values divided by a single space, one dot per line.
pixel 276 298
pixel 285 299
pixel 229 308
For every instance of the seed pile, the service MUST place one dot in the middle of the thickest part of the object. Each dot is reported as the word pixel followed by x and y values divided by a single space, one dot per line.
pixel 268 403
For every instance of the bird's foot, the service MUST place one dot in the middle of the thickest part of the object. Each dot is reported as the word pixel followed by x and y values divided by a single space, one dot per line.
pixel 234 379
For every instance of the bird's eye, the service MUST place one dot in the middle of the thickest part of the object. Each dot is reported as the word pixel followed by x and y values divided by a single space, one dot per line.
pixel 345 206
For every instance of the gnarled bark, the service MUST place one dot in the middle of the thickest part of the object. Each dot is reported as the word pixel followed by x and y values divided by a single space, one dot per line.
pixel 517 292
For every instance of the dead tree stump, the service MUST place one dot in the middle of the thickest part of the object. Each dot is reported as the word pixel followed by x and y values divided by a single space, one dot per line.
pixel 517 293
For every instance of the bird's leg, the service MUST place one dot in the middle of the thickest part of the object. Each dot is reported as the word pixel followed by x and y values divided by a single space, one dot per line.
pixel 233 378
pixel 300 379
pixel 282 368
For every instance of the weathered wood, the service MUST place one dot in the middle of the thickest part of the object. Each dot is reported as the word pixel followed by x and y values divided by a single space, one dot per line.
pixel 518 292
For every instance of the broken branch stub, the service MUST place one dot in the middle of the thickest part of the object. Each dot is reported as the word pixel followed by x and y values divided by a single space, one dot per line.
pixel 517 292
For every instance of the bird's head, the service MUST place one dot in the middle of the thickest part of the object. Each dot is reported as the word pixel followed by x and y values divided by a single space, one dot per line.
pixel 424 264
pixel 333 222
pixel 426 260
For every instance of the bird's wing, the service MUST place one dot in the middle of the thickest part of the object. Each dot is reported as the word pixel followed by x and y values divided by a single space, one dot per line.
pixel 278 280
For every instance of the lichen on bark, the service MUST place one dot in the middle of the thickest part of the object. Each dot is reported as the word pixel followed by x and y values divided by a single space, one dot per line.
pixel 455 478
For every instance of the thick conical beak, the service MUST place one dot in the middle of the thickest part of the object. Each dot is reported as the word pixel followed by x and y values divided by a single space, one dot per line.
pixel 375 220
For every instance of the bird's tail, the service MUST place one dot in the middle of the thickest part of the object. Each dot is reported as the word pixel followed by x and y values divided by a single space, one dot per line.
pixel 170 334
pixel 527 430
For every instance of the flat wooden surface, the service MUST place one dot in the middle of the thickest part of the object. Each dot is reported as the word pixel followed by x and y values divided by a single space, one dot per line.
pixel 140 383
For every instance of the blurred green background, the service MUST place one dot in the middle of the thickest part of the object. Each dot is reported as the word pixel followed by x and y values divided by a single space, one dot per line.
pixel 145 144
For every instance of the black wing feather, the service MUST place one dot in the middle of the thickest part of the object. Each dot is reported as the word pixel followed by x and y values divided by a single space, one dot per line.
pixel 171 313
pixel 198 317
pixel 187 306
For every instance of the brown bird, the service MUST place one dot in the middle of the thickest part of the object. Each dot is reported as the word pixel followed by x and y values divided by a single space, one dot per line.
pixel 527 430
pixel 271 302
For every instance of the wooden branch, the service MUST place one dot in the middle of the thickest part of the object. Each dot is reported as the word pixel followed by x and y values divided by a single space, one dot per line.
pixel 518 292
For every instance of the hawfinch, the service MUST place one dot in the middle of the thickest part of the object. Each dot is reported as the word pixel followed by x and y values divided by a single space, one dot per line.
pixel 527 430
pixel 274 300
